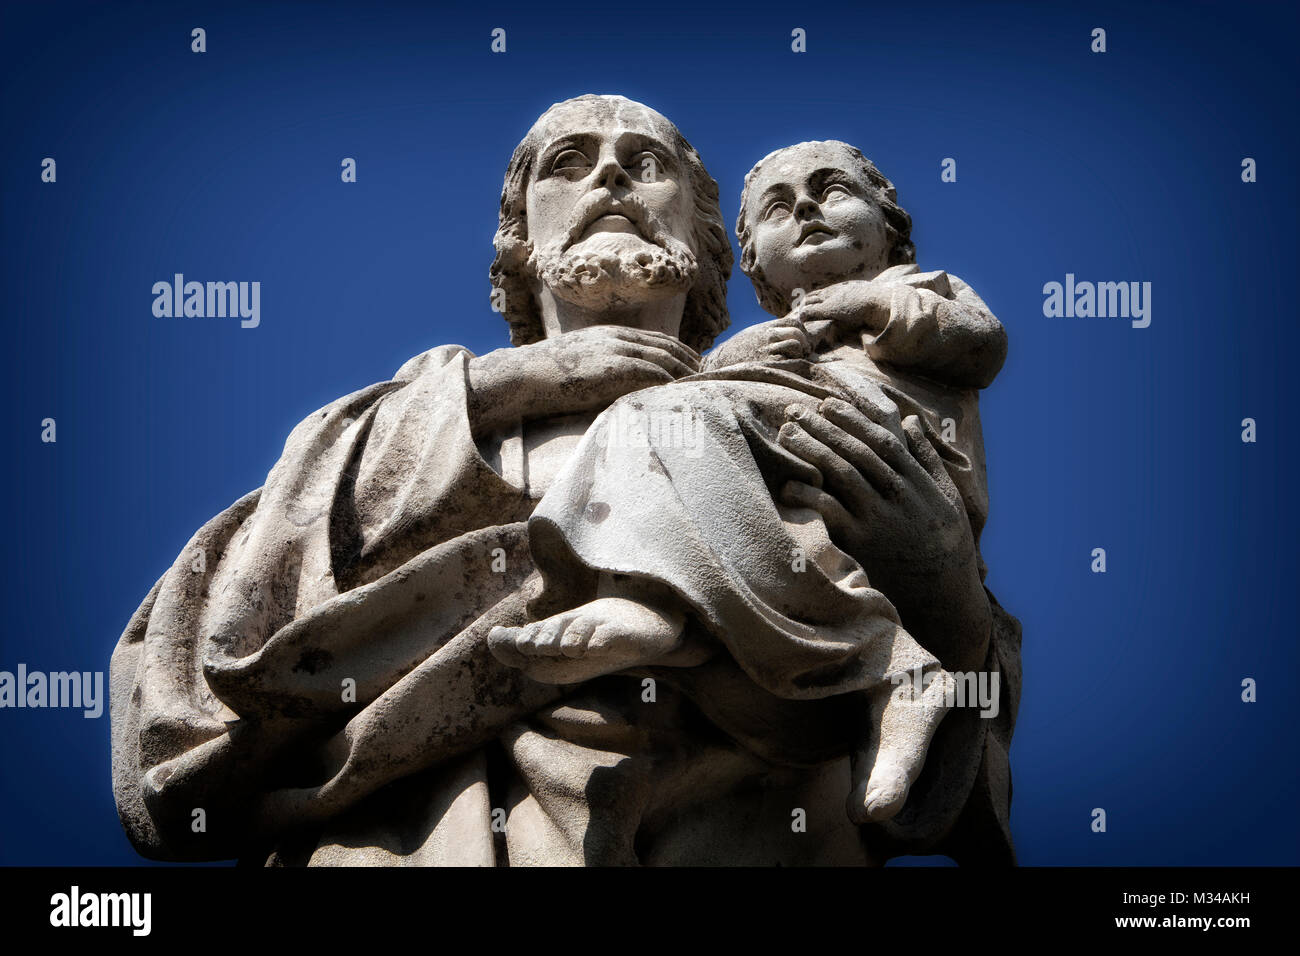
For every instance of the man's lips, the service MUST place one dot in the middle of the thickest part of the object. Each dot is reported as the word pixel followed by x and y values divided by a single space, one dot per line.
pixel 612 222
pixel 610 215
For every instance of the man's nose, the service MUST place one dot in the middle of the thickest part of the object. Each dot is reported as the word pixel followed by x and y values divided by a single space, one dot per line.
pixel 610 173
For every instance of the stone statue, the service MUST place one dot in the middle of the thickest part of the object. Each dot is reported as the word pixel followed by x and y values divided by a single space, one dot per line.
pixel 593 600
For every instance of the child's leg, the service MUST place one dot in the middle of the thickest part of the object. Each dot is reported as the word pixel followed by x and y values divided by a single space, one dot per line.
pixel 902 724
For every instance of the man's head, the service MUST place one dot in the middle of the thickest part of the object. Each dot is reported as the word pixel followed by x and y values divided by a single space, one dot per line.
pixel 605 204
pixel 815 214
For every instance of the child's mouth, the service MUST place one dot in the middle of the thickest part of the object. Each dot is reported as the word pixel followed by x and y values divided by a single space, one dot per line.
pixel 811 230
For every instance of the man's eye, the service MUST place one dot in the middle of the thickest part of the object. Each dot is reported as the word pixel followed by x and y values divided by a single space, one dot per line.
pixel 646 166
pixel 777 210
pixel 836 191
pixel 570 160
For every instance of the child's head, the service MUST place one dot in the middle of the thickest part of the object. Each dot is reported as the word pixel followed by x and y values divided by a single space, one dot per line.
pixel 815 214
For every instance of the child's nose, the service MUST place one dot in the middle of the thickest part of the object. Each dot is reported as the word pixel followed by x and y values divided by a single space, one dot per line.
pixel 806 208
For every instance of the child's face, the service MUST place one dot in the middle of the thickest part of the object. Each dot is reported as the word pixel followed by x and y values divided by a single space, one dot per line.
pixel 814 221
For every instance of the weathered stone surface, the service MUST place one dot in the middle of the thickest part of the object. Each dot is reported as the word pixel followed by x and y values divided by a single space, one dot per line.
pixel 593 599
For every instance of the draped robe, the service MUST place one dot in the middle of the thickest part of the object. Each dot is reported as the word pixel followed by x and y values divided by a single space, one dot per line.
pixel 319 685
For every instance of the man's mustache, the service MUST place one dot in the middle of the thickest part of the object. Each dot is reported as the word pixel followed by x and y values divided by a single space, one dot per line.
pixel 601 203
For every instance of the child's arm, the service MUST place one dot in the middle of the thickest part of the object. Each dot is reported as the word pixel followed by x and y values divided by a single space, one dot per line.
pixel 933 324
pixel 954 339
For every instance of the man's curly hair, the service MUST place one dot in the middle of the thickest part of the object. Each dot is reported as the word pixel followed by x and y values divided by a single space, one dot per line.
pixel 705 314
pixel 898 224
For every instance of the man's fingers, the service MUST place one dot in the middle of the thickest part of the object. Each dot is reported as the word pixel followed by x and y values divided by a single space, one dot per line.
pixel 879 410
pixel 887 445
pixel 638 370
pixel 797 494
pixel 656 356
pixel 661 340
pixel 859 454
pixel 924 452
pixel 838 476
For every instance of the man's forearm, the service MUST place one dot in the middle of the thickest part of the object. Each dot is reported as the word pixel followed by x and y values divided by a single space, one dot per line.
pixel 495 398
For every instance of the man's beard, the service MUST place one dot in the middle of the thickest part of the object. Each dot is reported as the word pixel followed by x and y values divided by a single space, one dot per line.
pixel 612 269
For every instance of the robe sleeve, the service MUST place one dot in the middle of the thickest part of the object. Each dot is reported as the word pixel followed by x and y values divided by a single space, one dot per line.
pixel 324 635
pixel 961 344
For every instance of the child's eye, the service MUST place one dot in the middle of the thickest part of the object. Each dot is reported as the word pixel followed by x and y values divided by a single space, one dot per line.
pixel 776 211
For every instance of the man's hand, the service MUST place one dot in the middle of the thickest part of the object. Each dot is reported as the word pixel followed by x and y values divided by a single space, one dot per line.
pixel 888 501
pixel 773 341
pixel 583 370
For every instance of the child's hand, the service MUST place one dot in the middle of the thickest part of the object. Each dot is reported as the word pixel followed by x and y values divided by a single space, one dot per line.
pixel 785 339
pixel 848 306
pixel 774 341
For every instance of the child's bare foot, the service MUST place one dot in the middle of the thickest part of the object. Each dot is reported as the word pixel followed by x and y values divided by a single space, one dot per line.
pixel 883 794
pixel 902 735
pixel 606 635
